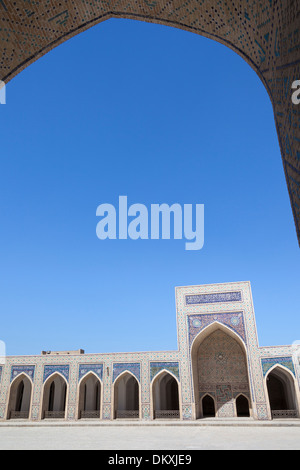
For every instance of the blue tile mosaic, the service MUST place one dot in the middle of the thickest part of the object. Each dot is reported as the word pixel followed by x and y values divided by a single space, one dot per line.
pixel 133 367
pixel 233 320
pixel 156 367
pixel 86 368
pixel 269 362
pixel 213 298
pixel 63 369
pixel 17 370
pixel 223 393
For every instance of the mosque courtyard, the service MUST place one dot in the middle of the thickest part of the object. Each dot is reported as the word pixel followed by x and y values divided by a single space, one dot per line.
pixel 208 435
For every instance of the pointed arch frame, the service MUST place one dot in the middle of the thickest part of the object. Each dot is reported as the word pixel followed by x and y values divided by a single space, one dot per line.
pixel 113 392
pixel 82 379
pixel 13 383
pixel 241 394
pixel 293 382
pixel 197 341
pixel 48 379
pixel 207 394
pixel 152 384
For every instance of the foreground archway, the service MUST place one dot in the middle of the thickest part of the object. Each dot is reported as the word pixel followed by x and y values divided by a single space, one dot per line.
pixel 126 396
pixel 19 398
pixel 282 393
pixel 54 397
pixel 220 371
pixel 267 37
pixel 165 396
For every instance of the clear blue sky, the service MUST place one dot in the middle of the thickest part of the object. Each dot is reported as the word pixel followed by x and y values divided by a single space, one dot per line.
pixel 162 116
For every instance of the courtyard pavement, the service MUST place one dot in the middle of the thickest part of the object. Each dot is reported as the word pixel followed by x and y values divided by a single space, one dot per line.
pixel 204 435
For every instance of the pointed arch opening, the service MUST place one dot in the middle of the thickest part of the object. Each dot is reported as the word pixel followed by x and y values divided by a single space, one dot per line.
pixel 19 398
pixel 89 400
pixel 165 396
pixel 281 393
pixel 219 369
pixel 242 406
pixel 54 397
pixel 126 397
pixel 208 407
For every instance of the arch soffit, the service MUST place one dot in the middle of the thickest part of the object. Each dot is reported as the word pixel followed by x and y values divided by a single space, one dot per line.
pixel 142 17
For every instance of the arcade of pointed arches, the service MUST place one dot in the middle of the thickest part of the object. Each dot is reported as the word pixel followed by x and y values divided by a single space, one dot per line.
pixel 220 378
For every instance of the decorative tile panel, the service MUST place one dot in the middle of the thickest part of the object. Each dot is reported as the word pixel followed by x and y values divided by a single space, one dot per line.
pixel 268 363
pixel 262 412
pixel 187 412
pixel 63 369
pixel 223 393
pixel 107 411
pixel 156 367
pixel 86 368
pixel 213 298
pixel 17 370
pixel 233 320
pixel 146 411
pixel 134 368
pixel 226 410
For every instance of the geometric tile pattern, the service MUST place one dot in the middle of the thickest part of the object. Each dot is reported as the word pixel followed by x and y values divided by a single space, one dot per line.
pixel 269 362
pixel 16 370
pixel 223 393
pixel 134 368
pixel 221 360
pixel 222 369
pixel 156 367
pixel 187 412
pixel 262 411
pixel 86 368
pixel 51 368
pixel 226 410
pixel 264 33
pixel 211 298
pixel 233 320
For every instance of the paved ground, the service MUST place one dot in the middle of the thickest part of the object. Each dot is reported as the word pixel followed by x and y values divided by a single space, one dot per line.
pixel 283 435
